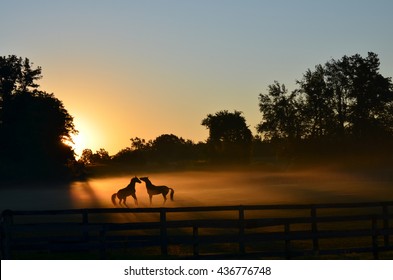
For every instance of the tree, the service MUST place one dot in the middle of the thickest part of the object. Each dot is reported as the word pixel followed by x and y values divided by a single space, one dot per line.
pixel 17 75
pixel 343 106
pixel 34 125
pixel 139 144
pixel 370 93
pixel 86 157
pixel 171 148
pixel 337 80
pixel 281 111
pixel 360 97
pixel 317 108
pixel 101 156
pixel 229 135
pixel 346 98
pixel 125 156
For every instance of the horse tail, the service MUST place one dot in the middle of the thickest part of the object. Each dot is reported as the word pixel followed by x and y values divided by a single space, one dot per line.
pixel 114 199
pixel 172 193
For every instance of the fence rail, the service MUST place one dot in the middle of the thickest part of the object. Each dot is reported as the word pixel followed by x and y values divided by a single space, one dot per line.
pixel 245 231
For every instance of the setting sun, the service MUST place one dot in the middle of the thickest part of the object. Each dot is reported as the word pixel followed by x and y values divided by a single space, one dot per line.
pixel 86 138
pixel 79 143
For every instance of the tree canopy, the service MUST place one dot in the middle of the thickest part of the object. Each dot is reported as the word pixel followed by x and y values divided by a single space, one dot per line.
pixel 34 125
pixel 345 98
pixel 229 135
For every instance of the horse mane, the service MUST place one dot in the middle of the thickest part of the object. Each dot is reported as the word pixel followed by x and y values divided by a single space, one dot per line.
pixel 147 181
pixel 134 179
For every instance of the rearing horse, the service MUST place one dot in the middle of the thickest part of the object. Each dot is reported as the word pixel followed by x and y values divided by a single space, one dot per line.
pixel 123 193
pixel 153 190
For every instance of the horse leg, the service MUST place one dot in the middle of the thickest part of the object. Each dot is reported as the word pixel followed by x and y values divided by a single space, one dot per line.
pixel 113 198
pixel 135 199
pixel 125 202
pixel 150 198
pixel 164 193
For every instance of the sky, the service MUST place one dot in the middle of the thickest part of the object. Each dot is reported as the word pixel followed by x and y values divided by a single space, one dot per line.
pixel 126 68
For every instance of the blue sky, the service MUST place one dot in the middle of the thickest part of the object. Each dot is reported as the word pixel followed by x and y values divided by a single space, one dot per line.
pixel 143 68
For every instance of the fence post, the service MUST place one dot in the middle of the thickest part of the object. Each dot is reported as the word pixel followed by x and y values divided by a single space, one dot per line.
pixel 103 255
pixel 287 241
pixel 195 240
pixel 374 234
pixel 241 230
pixel 7 222
pixel 85 222
pixel 385 212
pixel 314 229
pixel 163 232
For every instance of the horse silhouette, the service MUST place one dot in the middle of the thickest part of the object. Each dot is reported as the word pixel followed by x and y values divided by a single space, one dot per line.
pixel 154 190
pixel 127 191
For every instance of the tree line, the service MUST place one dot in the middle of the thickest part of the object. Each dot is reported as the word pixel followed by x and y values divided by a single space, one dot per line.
pixel 230 140
pixel 342 106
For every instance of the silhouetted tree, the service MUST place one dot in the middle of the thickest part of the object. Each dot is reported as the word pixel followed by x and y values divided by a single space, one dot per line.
pixel 102 155
pixel 34 125
pixel 229 136
pixel 368 95
pixel 126 156
pixel 164 149
pixel 317 110
pixel 348 97
pixel 171 148
pixel 343 104
pixel 139 144
pixel 86 157
pixel 17 75
pixel 282 114
pixel 99 157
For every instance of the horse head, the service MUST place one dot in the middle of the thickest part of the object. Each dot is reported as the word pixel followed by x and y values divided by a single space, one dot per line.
pixel 145 179
pixel 135 180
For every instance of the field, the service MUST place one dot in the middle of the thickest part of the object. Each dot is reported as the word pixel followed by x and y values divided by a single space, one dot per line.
pixel 206 188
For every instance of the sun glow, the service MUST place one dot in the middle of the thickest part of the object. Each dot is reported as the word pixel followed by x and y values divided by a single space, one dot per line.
pixel 87 137
pixel 79 144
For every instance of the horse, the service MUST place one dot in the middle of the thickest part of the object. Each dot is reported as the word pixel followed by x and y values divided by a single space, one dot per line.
pixel 153 190
pixel 123 193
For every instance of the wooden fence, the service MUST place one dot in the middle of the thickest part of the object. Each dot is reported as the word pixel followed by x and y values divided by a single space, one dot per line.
pixel 345 230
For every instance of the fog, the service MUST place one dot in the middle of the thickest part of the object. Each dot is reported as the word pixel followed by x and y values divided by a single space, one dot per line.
pixel 200 188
